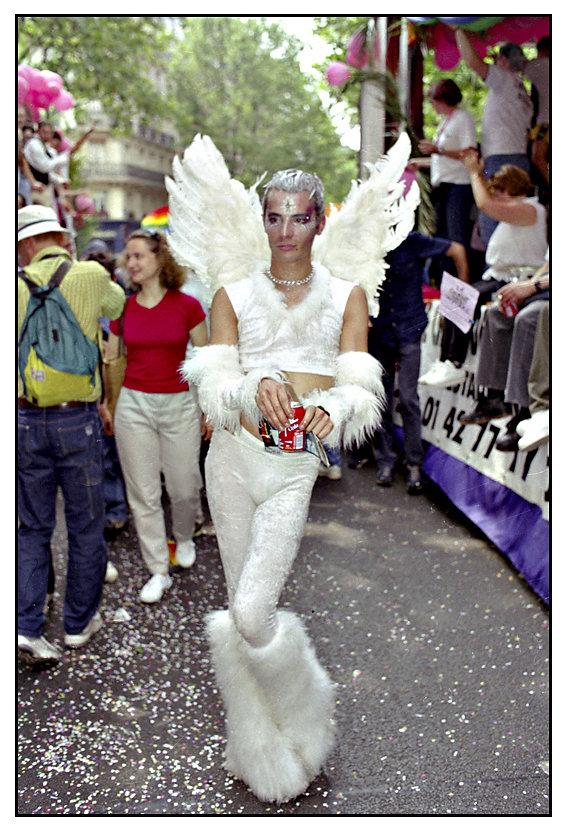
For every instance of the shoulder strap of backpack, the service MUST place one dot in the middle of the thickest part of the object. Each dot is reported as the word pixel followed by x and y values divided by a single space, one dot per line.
pixel 54 281
pixel 60 273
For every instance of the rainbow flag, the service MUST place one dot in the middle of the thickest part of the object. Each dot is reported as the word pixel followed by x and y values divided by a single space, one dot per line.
pixel 157 219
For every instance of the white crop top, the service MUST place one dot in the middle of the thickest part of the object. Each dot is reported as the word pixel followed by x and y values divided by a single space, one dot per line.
pixel 303 338
pixel 517 245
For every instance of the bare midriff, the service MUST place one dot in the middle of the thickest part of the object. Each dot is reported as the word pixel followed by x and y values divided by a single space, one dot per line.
pixel 298 384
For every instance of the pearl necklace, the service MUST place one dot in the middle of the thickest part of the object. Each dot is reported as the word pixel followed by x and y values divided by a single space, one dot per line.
pixel 291 282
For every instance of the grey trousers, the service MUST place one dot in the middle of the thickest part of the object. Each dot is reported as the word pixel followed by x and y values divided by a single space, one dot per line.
pixel 538 384
pixel 506 351
pixel 155 433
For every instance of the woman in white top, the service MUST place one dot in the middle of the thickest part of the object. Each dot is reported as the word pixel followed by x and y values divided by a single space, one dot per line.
pixel 451 189
pixel 518 244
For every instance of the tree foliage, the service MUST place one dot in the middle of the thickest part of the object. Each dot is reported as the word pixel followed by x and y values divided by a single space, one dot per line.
pixel 101 58
pixel 239 82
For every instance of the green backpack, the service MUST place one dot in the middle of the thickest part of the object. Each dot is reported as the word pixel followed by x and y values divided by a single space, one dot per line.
pixel 56 360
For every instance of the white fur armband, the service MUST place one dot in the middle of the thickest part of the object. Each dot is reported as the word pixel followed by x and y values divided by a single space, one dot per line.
pixel 355 402
pixel 225 391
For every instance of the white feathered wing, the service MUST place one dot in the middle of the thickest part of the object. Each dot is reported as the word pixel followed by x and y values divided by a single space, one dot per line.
pixel 216 226
pixel 373 220
pixel 215 223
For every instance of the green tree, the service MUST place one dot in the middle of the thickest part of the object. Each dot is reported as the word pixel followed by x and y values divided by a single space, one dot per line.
pixel 101 58
pixel 239 82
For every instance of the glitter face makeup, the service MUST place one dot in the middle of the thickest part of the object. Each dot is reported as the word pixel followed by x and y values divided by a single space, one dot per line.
pixel 290 221
pixel 288 206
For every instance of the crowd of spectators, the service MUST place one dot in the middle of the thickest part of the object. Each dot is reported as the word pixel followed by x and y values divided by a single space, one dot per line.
pixel 485 201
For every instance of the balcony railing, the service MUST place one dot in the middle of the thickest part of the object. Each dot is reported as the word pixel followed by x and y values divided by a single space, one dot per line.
pixel 120 173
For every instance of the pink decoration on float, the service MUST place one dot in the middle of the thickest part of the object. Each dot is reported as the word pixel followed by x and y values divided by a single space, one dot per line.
pixel 42 89
pixel 357 54
pixel 84 204
pixel 337 73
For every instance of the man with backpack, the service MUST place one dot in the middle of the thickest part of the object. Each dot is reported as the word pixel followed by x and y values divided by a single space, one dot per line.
pixel 60 302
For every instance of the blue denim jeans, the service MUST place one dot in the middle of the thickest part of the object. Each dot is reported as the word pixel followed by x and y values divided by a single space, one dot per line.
pixel 60 449
pixel 452 204
pixel 407 357
pixel 492 164
pixel 116 505
pixel 333 455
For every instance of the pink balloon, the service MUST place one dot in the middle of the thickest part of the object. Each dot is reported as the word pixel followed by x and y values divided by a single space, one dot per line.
pixel 447 58
pixel 37 81
pixel 42 100
pixel 447 55
pixel 23 89
pixel 64 101
pixel 25 71
pixel 357 54
pixel 84 204
pixel 52 91
pixel 53 77
pixel 337 73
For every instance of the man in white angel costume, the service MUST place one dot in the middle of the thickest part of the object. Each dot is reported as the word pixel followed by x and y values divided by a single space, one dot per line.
pixel 283 328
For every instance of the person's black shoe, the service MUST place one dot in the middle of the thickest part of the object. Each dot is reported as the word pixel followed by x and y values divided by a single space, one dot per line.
pixel 508 442
pixel 112 528
pixel 385 477
pixel 510 438
pixel 484 411
pixel 356 464
pixel 414 484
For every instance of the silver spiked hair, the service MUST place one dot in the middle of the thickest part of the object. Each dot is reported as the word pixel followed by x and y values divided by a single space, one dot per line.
pixel 295 181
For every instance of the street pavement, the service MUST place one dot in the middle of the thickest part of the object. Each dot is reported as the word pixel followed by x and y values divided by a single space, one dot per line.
pixel 437 647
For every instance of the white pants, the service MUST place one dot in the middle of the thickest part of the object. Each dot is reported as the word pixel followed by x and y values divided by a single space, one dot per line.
pixel 160 433
pixel 259 504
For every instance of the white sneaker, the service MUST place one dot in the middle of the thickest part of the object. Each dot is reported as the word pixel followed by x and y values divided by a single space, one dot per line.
pixel 37 649
pixel 443 374
pixel 153 590
pixel 333 472
pixel 81 638
pixel 111 573
pixel 432 373
pixel 185 553
pixel 533 432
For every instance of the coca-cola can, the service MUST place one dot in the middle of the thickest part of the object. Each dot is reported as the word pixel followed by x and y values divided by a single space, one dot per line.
pixel 291 438
pixel 508 308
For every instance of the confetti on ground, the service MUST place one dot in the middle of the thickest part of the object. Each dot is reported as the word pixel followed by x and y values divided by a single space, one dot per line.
pixel 440 672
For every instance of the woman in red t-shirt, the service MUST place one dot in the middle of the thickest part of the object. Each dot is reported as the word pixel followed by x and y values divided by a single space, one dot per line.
pixel 158 424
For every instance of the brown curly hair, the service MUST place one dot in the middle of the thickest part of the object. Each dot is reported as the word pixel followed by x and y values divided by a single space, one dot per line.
pixel 511 180
pixel 172 275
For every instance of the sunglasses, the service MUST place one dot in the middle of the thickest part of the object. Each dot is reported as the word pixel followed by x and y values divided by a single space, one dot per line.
pixel 153 234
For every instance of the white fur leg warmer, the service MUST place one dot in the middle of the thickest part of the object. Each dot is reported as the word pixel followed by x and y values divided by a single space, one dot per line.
pixel 299 690
pixel 257 752
pixel 356 400
pixel 225 392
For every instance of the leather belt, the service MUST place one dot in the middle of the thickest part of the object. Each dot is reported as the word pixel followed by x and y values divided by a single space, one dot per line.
pixel 24 404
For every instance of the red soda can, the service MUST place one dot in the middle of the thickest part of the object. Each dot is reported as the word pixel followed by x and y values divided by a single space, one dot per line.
pixel 508 308
pixel 291 438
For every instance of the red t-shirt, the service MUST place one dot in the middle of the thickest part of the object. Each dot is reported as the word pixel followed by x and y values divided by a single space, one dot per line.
pixel 156 341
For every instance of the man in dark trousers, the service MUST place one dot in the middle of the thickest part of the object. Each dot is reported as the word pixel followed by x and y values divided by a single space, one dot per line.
pixel 60 446
pixel 394 339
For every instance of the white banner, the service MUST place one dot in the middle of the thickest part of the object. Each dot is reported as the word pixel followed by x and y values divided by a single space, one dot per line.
pixel 526 473
pixel 458 301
